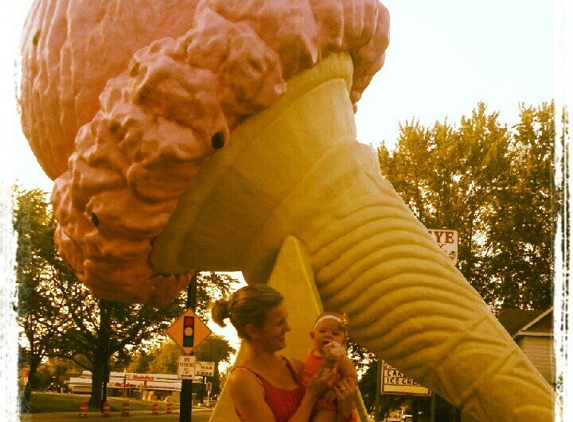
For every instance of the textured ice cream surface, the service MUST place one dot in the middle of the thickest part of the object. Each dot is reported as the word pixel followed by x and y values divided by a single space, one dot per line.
pixel 123 103
pixel 333 351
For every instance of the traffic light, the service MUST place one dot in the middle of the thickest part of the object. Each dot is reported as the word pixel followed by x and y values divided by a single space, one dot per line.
pixel 188 331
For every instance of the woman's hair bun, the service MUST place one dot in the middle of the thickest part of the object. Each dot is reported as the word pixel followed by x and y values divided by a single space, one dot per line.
pixel 220 312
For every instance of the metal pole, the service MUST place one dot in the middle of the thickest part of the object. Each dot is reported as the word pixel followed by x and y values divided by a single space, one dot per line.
pixel 186 402
pixel 380 364
pixel 124 380
pixel 433 407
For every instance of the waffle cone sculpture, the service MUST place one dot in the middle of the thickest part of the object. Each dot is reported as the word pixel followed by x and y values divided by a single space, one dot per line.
pixel 210 147
pixel 371 257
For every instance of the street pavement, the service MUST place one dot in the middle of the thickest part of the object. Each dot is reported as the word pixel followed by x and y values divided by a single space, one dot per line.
pixel 197 415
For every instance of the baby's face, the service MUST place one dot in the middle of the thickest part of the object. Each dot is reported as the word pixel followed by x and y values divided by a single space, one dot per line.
pixel 326 331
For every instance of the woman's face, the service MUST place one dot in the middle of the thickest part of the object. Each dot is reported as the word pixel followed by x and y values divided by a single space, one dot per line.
pixel 275 327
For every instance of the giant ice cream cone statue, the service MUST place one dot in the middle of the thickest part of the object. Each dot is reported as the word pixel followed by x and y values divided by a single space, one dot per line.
pixel 208 149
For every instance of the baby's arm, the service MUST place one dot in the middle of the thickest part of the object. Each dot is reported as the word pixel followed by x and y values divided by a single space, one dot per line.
pixel 347 370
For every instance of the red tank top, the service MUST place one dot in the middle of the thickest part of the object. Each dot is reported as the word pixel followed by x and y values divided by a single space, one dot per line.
pixel 283 403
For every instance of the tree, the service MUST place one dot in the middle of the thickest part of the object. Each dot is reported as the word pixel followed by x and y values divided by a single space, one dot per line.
pixel 522 228
pixel 60 318
pixel 113 330
pixel 493 185
pixel 211 285
pixel 215 349
pixel 166 358
pixel 41 315
pixel 54 372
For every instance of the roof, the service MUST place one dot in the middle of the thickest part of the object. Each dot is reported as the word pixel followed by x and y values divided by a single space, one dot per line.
pixel 519 322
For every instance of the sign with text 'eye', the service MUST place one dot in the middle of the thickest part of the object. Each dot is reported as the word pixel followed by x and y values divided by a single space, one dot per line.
pixel 447 240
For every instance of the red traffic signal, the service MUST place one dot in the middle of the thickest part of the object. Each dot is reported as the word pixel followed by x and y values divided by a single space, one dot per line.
pixel 188 331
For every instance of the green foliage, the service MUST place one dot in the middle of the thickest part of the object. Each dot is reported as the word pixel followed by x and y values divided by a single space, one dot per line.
pixel 214 349
pixel 59 317
pixel 57 372
pixel 211 286
pixel 523 225
pixel 166 359
pixel 41 311
pixel 494 186
pixel 163 359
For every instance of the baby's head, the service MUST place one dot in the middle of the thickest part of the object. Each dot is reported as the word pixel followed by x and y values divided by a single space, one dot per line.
pixel 330 328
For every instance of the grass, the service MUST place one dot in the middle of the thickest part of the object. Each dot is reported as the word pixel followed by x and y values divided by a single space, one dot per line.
pixel 55 402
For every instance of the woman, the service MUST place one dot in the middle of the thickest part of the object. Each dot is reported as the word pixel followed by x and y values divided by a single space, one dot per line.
pixel 267 387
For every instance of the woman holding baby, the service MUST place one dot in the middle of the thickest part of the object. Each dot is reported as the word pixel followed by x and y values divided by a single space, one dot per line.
pixel 267 386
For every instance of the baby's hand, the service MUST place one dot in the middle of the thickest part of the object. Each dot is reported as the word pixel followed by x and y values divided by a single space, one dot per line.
pixel 329 396
pixel 321 382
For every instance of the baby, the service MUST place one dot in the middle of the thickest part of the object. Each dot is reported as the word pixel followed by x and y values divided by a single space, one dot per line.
pixel 330 339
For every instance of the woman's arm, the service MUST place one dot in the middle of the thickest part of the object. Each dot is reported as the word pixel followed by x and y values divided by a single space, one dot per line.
pixel 247 395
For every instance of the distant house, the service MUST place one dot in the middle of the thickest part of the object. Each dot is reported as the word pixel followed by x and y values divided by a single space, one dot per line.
pixel 533 333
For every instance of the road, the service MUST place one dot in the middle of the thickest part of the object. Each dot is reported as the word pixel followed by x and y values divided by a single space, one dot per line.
pixel 202 415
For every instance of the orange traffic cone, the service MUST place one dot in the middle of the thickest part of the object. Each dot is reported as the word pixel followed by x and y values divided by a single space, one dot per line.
pixel 106 410
pixel 155 408
pixel 125 409
pixel 84 409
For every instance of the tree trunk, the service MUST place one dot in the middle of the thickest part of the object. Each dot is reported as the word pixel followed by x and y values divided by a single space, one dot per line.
pixel 25 399
pixel 101 356
pixel 216 380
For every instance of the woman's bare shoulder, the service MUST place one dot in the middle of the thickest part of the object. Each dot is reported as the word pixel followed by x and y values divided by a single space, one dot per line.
pixel 247 394
pixel 242 374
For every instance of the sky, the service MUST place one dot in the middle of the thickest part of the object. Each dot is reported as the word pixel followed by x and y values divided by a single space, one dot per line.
pixel 444 57
pixel 447 55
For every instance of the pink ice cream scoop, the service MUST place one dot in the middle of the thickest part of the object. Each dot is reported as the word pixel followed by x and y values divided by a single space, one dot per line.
pixel 123 101
pixel 333 351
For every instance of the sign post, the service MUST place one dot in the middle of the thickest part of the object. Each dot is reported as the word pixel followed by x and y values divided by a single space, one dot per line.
pixel 188 331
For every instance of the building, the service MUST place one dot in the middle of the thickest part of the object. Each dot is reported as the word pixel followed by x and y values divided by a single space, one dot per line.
pixel 141 386
pixel 533 333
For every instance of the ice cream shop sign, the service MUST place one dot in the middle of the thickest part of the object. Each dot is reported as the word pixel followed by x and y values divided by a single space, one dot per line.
pixel 395 382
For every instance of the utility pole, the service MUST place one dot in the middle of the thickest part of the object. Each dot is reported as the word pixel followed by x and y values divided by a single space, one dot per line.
pixel 186 405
